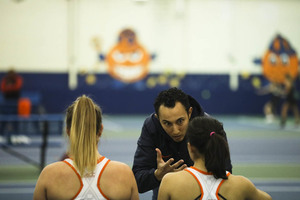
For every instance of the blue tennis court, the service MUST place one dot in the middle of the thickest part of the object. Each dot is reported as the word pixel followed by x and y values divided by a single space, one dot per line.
pixel 266 154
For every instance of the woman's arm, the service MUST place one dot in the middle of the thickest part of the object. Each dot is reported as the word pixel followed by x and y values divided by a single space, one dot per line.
pixel 252 193
pixel 40 187
pixel 118 182
pixel 165 185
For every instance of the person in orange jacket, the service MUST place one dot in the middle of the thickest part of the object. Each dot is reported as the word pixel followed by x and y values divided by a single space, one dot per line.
pixel 11 85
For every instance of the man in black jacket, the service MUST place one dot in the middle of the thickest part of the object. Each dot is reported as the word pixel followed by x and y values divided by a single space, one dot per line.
pixel 162 147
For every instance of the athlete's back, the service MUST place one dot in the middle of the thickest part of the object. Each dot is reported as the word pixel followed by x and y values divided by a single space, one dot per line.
pixel 183 185
pixel 59 181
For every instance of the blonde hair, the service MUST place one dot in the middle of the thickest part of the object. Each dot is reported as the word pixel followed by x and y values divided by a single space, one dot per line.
pixel 83 120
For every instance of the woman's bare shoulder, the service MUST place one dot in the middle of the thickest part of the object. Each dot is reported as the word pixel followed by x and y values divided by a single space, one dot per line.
pixel 238 179
pixel 245 188
pixel 53 167
pixel 56 169
pixel 238 183
pixel 117 181
pixel 116 165
pixel 115 168
pixel 176 184
pixel 181 178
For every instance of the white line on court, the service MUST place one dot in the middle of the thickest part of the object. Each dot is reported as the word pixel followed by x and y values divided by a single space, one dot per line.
pixel 280 188
pixel 16 191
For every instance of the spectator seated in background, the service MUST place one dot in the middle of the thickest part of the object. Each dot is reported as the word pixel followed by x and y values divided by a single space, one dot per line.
pixel 11 85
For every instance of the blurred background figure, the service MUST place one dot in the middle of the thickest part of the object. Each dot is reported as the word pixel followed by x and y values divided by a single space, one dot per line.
pixel 13 104
pixel 271 107
pixel 276 95
pixel 290 101
pixel 11 85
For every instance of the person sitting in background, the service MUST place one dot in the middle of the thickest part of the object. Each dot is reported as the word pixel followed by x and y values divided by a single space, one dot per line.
pixel 11 85
pixel 207 178
pixel 86 174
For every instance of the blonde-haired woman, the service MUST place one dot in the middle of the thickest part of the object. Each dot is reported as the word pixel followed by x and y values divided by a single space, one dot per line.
pixel 86 174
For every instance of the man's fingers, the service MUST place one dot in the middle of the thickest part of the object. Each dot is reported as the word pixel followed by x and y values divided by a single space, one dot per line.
pixel 177 164
pixel 158 154
pixel 169 162
pixel 167 166
pixel 181 167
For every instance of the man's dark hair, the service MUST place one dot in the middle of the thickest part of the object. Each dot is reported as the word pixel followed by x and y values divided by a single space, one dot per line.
pixel 169 97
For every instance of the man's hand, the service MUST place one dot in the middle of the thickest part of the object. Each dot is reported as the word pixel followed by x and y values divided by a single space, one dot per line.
pixel 166 167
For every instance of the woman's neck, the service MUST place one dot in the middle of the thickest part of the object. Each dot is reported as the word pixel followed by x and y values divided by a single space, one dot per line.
pixel 200 164
pixel 72 157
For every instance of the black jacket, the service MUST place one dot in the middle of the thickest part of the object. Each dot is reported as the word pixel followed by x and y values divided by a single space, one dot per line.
pixel 153 136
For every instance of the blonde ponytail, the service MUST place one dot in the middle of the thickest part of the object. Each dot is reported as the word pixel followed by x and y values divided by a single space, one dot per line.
pixel 84 122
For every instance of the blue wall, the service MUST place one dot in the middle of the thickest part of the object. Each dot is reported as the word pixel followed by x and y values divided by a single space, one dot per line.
pixel 118 98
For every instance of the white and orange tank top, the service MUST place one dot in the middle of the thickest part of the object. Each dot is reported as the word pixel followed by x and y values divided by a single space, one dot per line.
pixel 208 184
pixel 90 186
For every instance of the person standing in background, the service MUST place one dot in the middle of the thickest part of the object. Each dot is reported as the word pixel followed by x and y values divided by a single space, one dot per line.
pixel 290 102
pixel 11 85
pixel 276 94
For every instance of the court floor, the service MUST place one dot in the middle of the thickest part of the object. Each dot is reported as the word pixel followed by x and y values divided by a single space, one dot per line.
pixel 263 152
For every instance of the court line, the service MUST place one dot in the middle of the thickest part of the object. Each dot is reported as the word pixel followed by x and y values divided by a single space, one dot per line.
pixel 280 188
pixel 16 190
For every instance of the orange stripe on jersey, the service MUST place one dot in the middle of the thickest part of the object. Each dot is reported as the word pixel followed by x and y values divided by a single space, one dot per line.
pixel 201 189
pixel 79 177
pixel 98 183
pixel 100 159
pixel 202 172
pixel 217 192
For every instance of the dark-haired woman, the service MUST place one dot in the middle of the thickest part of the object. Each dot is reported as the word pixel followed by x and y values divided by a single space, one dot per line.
pixel 207 178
